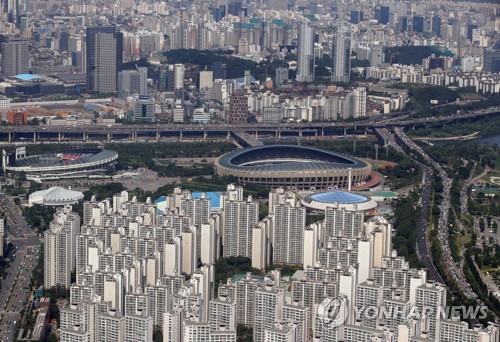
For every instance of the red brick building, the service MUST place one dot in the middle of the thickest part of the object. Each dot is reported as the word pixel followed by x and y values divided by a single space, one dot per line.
pixel 17 118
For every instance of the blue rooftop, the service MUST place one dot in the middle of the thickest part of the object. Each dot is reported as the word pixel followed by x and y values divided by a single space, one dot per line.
pixel 214 197
pixel 339 196
pixel 27 77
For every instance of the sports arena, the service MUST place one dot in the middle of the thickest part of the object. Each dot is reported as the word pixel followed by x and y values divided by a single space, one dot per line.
pixel 293 166
pixel 58 165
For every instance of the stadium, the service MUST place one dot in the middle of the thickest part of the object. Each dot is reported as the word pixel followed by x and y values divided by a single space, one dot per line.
pixel 58 165
pixel 297 167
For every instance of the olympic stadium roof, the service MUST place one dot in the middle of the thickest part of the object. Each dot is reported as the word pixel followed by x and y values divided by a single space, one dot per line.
pixel 55 196
pixel 338 198
pixel 273 158
pixel 28 77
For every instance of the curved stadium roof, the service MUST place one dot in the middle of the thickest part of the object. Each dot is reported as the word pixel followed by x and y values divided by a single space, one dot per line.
pixel 287 158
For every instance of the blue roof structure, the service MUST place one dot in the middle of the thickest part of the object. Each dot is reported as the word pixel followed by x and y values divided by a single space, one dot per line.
pixel 214 198
pixel 27 77
pixel 339 196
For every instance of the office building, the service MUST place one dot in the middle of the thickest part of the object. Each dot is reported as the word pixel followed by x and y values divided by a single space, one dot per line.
pixel 219 70
pixel 133 82
pixel 341 55
pixel 104 56
pixel 15 57
pixel 179 71
pixel 418 23
pixel 281 76
pixel 382 14
pixel 491 60
pixel 144 109
pixel 238 109
pixel 356 16
pixel 206 80
pixel 305 54
pixel 436 25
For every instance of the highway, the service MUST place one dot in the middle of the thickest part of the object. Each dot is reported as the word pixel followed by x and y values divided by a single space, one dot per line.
pixel 456 273
pixel 422 248
pixel 15 289
pixel 393 119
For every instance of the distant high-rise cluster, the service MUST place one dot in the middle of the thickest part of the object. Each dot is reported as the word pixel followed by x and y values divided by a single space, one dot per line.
pixel 146 267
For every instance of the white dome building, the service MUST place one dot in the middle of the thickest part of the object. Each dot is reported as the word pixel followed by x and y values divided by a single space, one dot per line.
pixel 349 200
pixel 55 196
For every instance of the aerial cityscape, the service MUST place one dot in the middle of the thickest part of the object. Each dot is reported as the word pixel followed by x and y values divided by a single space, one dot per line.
pixel 250 170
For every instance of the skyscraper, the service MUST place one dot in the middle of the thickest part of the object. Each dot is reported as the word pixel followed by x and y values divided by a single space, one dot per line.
pixel 382 14
pixel 15 57
pixel 104 58
pixel 436 25
pixel 418 23
pixel 305 54
pixel 341 53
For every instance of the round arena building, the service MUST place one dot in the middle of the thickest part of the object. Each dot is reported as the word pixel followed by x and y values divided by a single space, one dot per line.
pixel 293 166
pixel 62 164
pixel 319 201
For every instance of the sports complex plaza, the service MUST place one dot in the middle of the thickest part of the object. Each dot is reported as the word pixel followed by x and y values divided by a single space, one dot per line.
pixel 297 167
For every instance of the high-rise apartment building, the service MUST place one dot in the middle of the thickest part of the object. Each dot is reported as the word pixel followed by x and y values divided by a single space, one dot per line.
pixel 305 54
pixel 239 219
pixel 111 326
pixel 15 57
pixel 138 327
pixel 60 248
pixel 431 295
pixel 104 53
pixel 289 221
pixel 269 302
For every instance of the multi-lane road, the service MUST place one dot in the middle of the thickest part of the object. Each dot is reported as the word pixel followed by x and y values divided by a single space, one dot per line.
pixel 15 287
pixel 452 269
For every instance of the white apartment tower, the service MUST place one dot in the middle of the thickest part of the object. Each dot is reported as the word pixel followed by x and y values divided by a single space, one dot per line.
pixel 431 295
pixel 305 54
pixel 289 222
pixel 138 327
pixel 269 302
pixel 239 219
